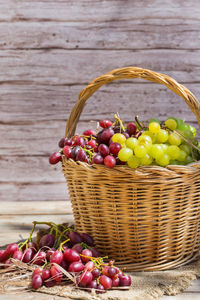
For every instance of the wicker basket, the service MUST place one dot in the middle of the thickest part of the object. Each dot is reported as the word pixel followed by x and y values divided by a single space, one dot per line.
pixel 145 218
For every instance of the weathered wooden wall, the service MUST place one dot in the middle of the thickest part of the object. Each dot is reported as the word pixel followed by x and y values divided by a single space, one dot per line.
pixel 49 50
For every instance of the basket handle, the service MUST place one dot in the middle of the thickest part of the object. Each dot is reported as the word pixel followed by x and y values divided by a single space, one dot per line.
pixel 128 73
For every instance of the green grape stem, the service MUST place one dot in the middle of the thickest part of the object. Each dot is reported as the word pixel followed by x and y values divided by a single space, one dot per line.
pixel 117 117
pixel 61 245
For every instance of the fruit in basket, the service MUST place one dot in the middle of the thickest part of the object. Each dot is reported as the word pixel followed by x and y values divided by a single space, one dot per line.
pixel 135 144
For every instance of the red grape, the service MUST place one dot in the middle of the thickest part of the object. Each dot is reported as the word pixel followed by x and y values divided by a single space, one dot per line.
pixel 49 253
pixel 105 123
pixel 124 280
pixel 86 252
pixel 76 266
pixel 55 158
pixel 39 258
pixel 75 237
pixel 30 245
pixel 92 284
pixel 38 270
pixel 89 266
pixel 18 255
pixel 56 257
pixel 86 278
pixel 87 239
pixel 109 161
pixel 96 273
pixel 106 135
pixel 71 255
pixel 105 281
pixel 97 159
pixel 125 133
pixel 105 270
pixel 92 143
pixel 67 150
pixel 81 156
pixel 68 142
pixel 131 128
pixel 47 240
pixel 79 141
pixel 36 281
pixel 95 252
pixel 78 248
pixel 64 264
pixel 7 263
pixel 3 255
pixel 49 282
pixel 61 143
pixel 115 281
pixel 111 272
pixel 56 274
pixel 46 274
pixel 75 151
pixel 11 249
pixel 89 132
pixel 103 150
pixel 114 148
pixel 100 289
pixel 28 255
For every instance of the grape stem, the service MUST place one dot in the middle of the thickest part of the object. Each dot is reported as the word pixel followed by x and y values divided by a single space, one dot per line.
pixel 138 123
pixel 186 140
pixel 117 117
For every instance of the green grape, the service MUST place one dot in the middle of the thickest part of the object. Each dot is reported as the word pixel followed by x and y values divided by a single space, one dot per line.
pixel 187 134
pixel 140 151
pixel 171 124
pixel 154 127
pixel 133 162
pixel 154 120
pixel 131 142
pixel 179 122
pixel 188 160
pixel 119 138
pixel 152 135
pixel 193 130
pixel 174 139
pixel 163 160
pixel 144 139
pixel 156 151
pixel 183 126
pixel 146 160
pixel 185 148
pixel 124 154
pixel 173 151
pixel 182 156
pixel 165 147
pixel 162 136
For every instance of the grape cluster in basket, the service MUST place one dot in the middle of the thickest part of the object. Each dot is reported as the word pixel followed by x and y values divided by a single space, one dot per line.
pixel 171 142
pixel 61 254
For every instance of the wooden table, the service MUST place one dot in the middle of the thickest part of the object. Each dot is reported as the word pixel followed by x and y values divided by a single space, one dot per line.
pixel 16 222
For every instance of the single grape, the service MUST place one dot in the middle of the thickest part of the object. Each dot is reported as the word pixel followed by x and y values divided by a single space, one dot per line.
pixel 125 280
pixel 164 147
pixel 103 150
pixel 11 249
pixel 140 151
pixel 105 281
pixel 105 123
pixel 87 239
pixel 131 143
pixel 47 241
pixel 131 128
pixel 55 158
pixel 100 289
pixel 188 160
pixel 193 130
pixel 49 253
pixel 162 136
pixel 182 156
pixel 97 159
pixel 114 148
pixel 173 151
pixel 96 273
pixel 50 282
pixel 133 162
pixel 106 135
pixel 171 124
pixel 119 138
pixel 144 140
pixel 75 151
pixel 64 265
pixel 61 143
pixel 28 255
pixel 111 272
pixel 68 142
pixel 56 274
pixel 163 160
pixel 30 245
pixel 185 148
pixel 92 284
pixel 86 278
pixel 156 151
pixel 67 150
pixel 3 255
pixel 174 139
pixel 124 154
pixel 86 252
pixel 37 270
pixel 46 274
pixel 39 258
pixel 18 255
pixel 153 136
pixel 81 156
pixel 56 257
pixel 115 281
pixel 146 160
pixel 79 141
pixel 78 248
pixel 76 267
pixel 89 132
pixel 36 281
pixel 71 255
pixel 95 252
pixel 154 127
pixel 109 161
pixel 75 237
pixel 92 143
pixel 89 265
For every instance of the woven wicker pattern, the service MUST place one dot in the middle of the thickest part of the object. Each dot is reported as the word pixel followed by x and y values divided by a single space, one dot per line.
pixel 148 218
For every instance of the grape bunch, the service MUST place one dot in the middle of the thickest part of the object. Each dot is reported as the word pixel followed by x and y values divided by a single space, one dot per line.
pixel 171 142
pixel 63 249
